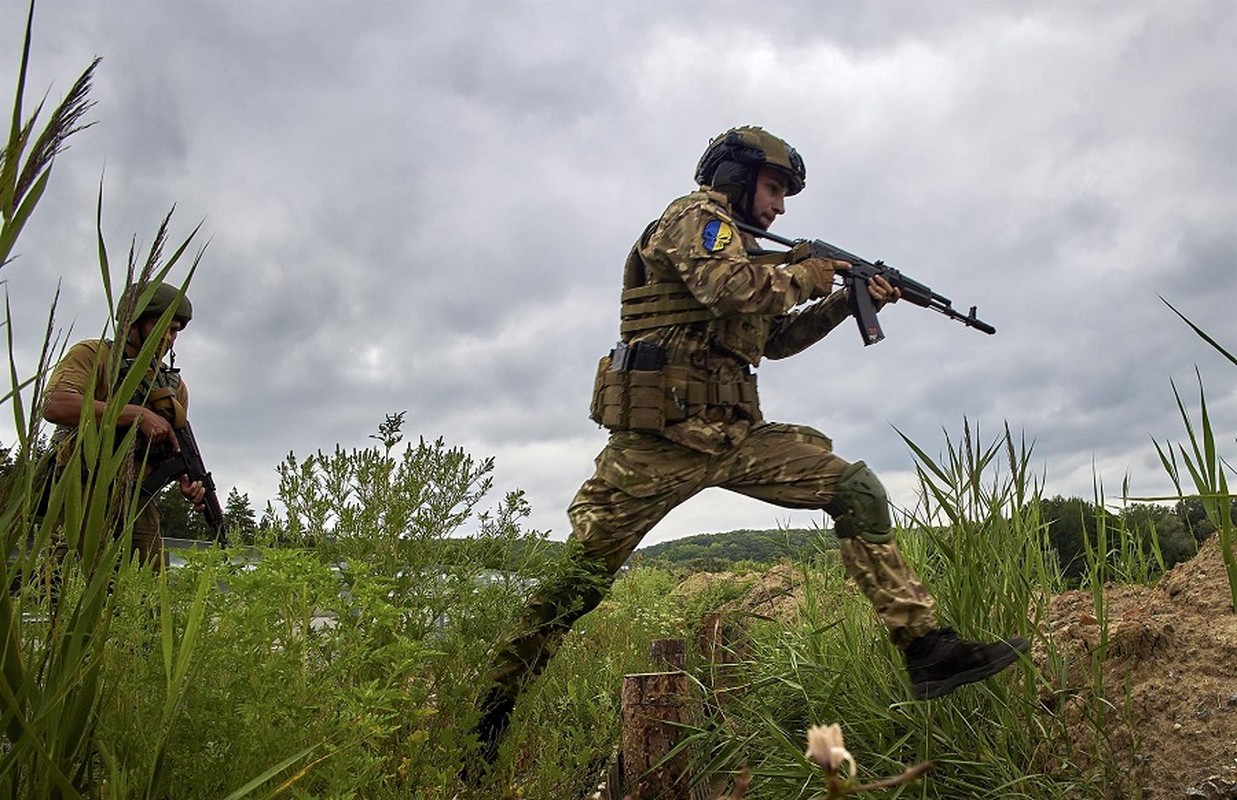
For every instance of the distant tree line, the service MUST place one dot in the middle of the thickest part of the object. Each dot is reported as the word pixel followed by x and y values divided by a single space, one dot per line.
pixel 1073 526
pixel 179 520
pixel 718 552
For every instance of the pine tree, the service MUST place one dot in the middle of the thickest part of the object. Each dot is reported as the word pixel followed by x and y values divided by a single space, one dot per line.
pixel 239 519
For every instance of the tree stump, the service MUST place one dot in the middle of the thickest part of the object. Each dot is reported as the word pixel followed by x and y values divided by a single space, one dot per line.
pixel 652 705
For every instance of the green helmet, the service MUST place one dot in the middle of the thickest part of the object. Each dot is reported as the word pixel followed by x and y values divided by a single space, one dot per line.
pixel 734 159
pixel 166 295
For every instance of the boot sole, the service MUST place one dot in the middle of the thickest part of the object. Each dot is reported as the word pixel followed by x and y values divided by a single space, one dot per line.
pixel 930 689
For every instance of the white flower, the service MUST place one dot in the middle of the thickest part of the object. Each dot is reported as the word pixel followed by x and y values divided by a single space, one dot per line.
pixel 826 749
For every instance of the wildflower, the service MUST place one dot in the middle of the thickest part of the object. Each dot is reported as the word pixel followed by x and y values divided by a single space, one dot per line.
pixel 826 749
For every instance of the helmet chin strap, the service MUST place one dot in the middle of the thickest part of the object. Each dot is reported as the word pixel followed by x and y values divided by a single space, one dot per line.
pixel 749 198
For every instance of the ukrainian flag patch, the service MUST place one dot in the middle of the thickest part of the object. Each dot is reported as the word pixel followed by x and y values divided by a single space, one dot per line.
pixel 717 234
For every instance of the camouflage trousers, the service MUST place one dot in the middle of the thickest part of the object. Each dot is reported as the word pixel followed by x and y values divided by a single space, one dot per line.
pixel 641 477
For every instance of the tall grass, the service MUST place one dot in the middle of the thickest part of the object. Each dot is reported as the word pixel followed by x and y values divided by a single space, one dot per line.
pixel 59 623
pixel 60 614
pixel 50 688
pixel 1207 469
pixel 980 542
pixel 312 673
pixel 980 546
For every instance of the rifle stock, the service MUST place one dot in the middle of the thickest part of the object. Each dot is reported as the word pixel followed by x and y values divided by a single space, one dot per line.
pixel 856 277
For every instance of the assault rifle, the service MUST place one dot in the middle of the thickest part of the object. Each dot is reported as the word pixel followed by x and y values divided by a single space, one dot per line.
pixel 188 462
pixel 855 279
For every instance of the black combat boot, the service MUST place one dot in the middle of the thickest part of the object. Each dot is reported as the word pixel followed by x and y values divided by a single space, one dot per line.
pixel 939 662
pixel 496 710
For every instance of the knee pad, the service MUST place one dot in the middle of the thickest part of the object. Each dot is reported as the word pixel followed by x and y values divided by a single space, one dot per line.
pixel 861 507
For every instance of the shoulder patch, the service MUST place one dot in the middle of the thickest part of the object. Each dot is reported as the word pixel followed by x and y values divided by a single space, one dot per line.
pixel 716 235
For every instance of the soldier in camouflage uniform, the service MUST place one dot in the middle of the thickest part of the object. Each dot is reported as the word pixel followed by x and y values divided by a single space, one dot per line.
pixel 679 397
pixel 81 378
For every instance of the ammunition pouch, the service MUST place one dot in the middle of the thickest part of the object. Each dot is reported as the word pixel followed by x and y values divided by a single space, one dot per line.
pixel 163 400
pixel 635 390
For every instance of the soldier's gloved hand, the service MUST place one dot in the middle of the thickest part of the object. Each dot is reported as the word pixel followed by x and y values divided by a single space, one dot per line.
pixel 817 275
pixel 800 252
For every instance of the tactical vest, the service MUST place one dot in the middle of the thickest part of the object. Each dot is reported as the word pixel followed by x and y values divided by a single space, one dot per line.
pixel 719 386
pixel 158 390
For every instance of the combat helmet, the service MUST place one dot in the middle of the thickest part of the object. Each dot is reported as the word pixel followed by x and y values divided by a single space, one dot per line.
pixel 166 295
pixel 734 159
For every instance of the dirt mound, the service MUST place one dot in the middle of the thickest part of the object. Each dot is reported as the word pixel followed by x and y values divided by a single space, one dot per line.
pixel 1167 709
pixel 1168 661
pixel 775 595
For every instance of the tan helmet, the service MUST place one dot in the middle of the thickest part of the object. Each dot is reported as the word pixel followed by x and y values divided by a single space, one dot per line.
pixel 166 295
pixel 734 159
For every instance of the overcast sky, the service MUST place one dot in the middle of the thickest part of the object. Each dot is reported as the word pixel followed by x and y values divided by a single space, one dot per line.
pixel 426 206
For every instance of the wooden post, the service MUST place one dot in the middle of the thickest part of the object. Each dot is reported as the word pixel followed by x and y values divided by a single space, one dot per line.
pixel 668 653
pixel 652 704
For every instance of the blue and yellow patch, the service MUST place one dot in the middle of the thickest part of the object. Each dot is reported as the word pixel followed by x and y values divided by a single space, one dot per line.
pixel 717 234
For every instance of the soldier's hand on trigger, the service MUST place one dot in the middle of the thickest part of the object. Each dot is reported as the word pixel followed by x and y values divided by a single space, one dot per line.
pixel 156 429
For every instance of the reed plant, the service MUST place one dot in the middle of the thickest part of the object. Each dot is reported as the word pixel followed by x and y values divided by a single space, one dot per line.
pixel 979 543
pixel 1206 468
pixel 59 610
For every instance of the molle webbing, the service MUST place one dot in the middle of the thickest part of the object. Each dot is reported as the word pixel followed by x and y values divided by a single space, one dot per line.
pixel 649 400
pixel 658 305
pixel 697 390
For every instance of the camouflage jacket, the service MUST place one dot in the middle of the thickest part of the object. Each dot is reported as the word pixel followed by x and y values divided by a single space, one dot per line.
pixel 758 306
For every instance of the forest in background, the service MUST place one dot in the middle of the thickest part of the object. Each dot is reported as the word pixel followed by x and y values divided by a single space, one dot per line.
pixel 1072 525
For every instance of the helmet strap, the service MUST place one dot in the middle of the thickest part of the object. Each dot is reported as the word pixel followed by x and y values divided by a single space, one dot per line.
pixel 749 196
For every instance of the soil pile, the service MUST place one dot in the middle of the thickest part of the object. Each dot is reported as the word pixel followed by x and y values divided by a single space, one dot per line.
pixel 1167 657
pixel 1169 678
